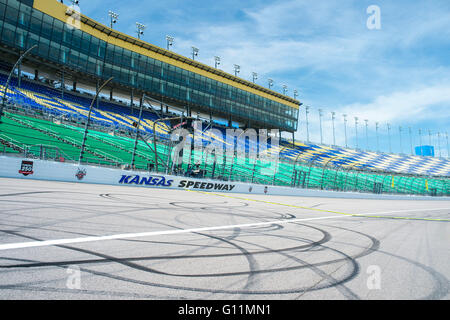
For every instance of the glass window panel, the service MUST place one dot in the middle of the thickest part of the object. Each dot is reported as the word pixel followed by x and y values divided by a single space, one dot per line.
pixel 76 38
pixel 57 34
pixel 37 14
pixel 67 35
pixel 47 19
pixel 73 58
pixel 107 70
pixel 118 52
pixel 101 49
pixel 43 48
pixel 54 52
pixel 46 30
pixel 2 11
pixel 14 4
pixel 21 38
pixel 93 49
pixel 32 40
pixel 82 61
pixel 109 54
pixel 85 42
pixel 126 58
pixel 11 14
pixel 8 33
pixel 24 19
pixel 64 54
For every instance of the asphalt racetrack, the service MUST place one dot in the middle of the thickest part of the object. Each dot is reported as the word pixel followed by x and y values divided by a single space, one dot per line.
pixel 78 241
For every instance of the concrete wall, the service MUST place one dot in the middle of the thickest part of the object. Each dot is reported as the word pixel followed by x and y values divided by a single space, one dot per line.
pixel 21 168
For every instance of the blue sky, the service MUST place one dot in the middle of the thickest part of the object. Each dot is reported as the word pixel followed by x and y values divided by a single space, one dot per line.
pixel 399 74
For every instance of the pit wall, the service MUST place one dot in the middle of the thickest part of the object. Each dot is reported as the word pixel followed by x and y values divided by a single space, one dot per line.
pixel 22 168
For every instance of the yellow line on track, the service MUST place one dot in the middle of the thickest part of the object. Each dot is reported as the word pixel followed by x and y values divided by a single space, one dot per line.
pixel 319 210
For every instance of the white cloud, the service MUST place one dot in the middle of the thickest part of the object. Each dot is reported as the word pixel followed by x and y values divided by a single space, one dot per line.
pixel 406 106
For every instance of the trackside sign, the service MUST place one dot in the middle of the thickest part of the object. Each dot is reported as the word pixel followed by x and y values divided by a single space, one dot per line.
pixel 205 185
pixel 154 181
pixel 162 181
pixel 15 167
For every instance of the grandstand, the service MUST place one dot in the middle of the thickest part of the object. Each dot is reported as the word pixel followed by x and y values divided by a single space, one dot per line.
pixel 44 119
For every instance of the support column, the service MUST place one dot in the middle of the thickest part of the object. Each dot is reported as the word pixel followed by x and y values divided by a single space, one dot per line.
pixel 19 74
pixel 63 85
pixel 36 74
pixel 111 94
pixel 131 100
pixel 96 90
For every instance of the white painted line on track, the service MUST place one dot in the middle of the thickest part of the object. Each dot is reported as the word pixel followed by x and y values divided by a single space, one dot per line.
pixel 46 243
pixel 149 234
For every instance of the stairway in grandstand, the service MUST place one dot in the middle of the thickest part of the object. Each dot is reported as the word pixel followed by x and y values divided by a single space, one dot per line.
pixel 39 97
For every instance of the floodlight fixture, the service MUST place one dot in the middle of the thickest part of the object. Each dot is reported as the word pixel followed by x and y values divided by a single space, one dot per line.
pixel 216 61
pixel 194 52
pixel 237 69
pixel 140 29
pixel 114 17
pixel 169 40
pixel 255 76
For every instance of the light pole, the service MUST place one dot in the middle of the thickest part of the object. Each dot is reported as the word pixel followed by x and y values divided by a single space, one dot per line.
pixel 270 82
pixel 194 52
pixel 429 137
pixel 169 40
pixel 377 125
pixel 320 126
pixel 367 134
pixel 333 117
pixel 345 129
pixel 216 61
pixel 19 61
pixel 420 137
pixel 114 16
pixel 255 76
pixel 439 144
pixel 89 118
pixel 356 131
pixel 140 29
pixel 307 123
pixel 400 136
pixel 237 69
pixel 295 94
pixel 410 139
pixel 389 137
pixel 448 150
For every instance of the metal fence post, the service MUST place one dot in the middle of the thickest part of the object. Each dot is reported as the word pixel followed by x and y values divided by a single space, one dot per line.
pixel 137 132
